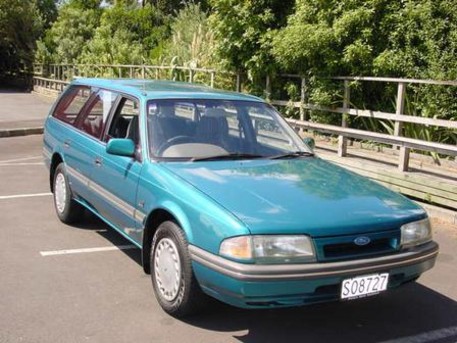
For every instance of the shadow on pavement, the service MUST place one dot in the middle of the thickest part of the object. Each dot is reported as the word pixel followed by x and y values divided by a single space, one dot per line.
pixel 412 313
pixel 92 222
pixel 11 90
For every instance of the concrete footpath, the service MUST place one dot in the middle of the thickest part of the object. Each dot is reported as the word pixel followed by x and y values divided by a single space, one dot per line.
pixel 22 113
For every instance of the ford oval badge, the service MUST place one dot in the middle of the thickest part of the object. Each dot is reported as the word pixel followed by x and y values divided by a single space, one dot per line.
pixel 362 240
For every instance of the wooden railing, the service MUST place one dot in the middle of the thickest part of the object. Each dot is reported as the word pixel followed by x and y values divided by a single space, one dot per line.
pixel 70 71
pixel 58 75
pixel 53 84
pixel 343 132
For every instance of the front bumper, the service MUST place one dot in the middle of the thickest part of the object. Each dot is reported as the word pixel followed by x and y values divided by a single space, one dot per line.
pixel 251 285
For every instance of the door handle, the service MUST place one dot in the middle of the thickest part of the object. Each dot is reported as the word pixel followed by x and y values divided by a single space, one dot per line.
pixel 98 162
pixel 66 144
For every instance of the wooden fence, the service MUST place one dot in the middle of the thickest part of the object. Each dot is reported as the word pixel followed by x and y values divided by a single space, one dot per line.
pixel 56 77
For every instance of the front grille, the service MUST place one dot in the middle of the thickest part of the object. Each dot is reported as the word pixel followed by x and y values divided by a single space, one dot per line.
pixel 344 247
pixel 351 249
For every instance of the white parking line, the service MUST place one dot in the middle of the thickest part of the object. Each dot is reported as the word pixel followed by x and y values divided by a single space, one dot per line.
pixel 22 164
pixel 21 159
pixel 86 250
pixel 15 196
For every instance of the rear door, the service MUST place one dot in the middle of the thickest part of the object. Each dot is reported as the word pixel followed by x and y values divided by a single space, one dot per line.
pixel 86 143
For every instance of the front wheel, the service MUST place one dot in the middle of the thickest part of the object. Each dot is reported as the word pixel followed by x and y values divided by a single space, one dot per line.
pixel 67 209
pixel 174 283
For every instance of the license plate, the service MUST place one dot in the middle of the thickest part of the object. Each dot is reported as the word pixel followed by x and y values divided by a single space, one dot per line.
pixel 362 286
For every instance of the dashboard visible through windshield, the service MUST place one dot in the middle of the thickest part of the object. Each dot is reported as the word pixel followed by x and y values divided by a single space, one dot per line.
pixel 213 129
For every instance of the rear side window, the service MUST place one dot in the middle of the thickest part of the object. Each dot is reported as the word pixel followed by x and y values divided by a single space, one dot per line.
pixel 96 115
pixel 71 103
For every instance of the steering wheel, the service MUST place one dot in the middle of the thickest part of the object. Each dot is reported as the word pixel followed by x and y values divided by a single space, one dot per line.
pixel 174 141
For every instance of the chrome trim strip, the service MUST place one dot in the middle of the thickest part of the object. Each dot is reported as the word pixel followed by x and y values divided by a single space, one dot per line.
pixel 114 200
pixel 139 216
pixel 77 175
pixel 108 196
pixel 282 272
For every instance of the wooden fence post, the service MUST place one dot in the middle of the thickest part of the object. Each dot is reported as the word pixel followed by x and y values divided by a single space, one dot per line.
pixel 191 75
pixel 403 158
pixel 342 141
pixel 302 102
pixel 268 87
pixel 238 81
pixel 212 79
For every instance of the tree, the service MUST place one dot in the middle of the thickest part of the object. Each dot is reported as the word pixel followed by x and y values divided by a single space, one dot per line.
pixel 48 11
pixel 192 40
pixel 128 33
pixel 20 26
pixel 242 30
pixel 75 25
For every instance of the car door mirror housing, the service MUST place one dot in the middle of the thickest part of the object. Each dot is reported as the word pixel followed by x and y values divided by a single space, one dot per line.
pixel 121 147
pixel 309 142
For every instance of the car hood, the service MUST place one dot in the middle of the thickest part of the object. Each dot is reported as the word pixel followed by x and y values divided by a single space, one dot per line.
pixel 305 195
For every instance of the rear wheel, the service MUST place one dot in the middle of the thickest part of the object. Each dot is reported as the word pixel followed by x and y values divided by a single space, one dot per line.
pixel 67 209
pixel 174 283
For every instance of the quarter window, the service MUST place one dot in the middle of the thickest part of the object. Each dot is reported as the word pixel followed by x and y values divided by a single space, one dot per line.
pixel 71 104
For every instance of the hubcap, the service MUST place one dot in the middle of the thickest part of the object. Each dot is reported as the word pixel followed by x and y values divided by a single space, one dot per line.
pixel 60 192
pixel 167 269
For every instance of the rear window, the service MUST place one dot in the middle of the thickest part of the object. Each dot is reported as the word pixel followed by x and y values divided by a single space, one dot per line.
pixel 71 103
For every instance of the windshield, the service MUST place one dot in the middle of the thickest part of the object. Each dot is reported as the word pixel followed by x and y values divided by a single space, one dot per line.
pixel 201 129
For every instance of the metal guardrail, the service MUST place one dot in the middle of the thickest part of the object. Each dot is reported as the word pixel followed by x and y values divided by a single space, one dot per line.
pixel 62 73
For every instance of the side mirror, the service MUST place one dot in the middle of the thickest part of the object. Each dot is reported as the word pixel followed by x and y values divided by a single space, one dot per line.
pixel 309 142
pixel 121 147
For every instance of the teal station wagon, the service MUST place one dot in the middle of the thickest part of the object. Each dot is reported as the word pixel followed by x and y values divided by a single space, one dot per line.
pixel 225 199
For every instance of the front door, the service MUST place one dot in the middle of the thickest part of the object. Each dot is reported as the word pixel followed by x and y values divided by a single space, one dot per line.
pixel 115 178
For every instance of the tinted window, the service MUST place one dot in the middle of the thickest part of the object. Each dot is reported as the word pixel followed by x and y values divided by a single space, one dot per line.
pixel 71 103
pixel 97 113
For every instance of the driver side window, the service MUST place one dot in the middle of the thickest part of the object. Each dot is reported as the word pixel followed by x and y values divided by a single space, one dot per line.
pixel 125 122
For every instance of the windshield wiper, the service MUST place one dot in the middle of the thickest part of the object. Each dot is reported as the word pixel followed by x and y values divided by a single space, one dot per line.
pixel 230 156
pixel 294 154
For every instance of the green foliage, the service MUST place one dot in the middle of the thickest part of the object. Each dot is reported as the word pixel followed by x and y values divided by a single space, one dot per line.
pixel 192 40
pixel 171 7
pixel 75 25
pixel 242 32
pixel 48 11
pixel 20 25
pixel 127 34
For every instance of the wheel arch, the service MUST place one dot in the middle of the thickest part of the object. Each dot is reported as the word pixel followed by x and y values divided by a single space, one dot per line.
pixel 153 221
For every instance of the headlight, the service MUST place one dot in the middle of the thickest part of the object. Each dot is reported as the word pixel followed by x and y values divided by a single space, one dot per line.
pixel 416 233
pixel 269 249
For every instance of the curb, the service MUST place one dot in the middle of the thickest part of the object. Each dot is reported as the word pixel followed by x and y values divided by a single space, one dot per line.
pixel 21 132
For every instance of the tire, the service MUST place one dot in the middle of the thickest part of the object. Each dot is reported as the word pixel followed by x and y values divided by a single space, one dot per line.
pixel 177 289
pixel 67 209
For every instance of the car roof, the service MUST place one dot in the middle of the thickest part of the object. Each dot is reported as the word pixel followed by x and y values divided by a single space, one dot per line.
pixel 155 89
